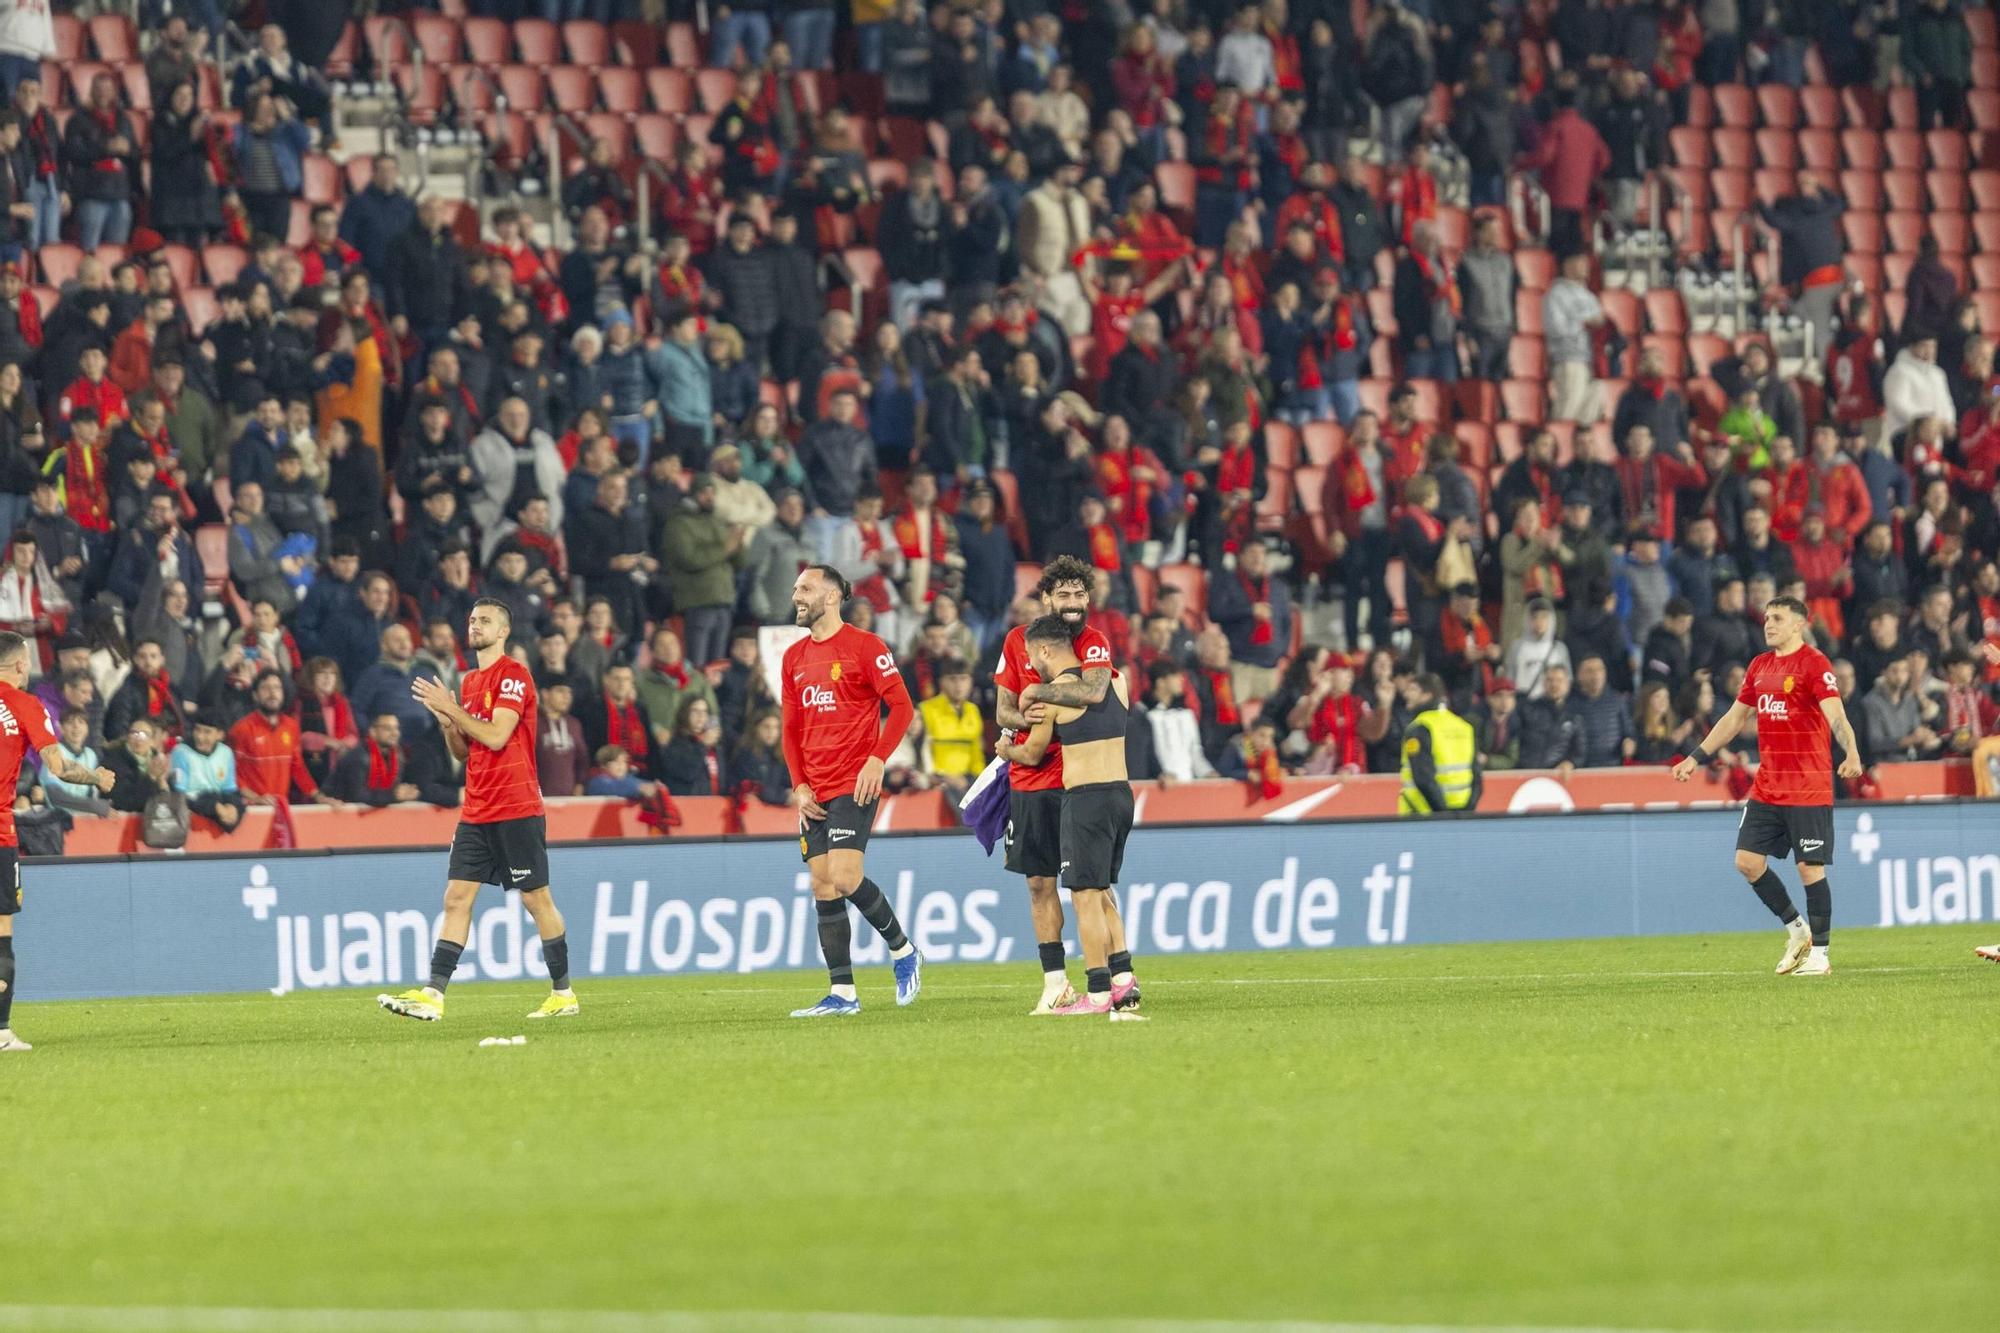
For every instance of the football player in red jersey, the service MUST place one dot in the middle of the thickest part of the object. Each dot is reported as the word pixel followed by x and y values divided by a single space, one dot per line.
pixel 1791 692
pixel 503 835
pixel 834 685
pixel 1034 815
pixel 24 725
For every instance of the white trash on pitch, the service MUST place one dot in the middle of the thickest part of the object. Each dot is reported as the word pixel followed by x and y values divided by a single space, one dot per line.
pixel 503 1041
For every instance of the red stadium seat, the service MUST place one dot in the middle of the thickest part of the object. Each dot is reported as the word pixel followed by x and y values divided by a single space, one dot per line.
pixel 1866 270
pixel 1673 351
pixel 183 264
pixel 1690 185
pixel 1730 188
pixel 340 61
pixel 637 44
pixel 670 91
pixel 1863 108
pixel 202 309
pixel 1947 150
pixel 1689 146
pixel 81 75
pixel 1985 185
pixel 1903 148
pixel 301 229
pixel 1986 272
pixel 1704 350
pixel 57 263
pixel 1979 22
pixel 523 86
pixel 322 179
pixel 1946 190
pixel 717 88
pixel 113 38
pixel 1281 445
pixel 1988 304
pixel 1523 401
pixel 1475 445
pixel 1821 105
pixel 572 89
pixel 138 90
pixel 1527 357
pixel 657 136
pixel 1863 231
pixel 1862 149
pixel 614 129
pixel 1819 149
pixel 1275 509
pixel 1953 235
pixel 1771 184
pixel 1323 440
pixel 1862 189
pixel 588 42
pixel 1906 231
pixel 1666 312
pixel 1176 185
pixel 1902 189
pixel 1527 311
pixel 473 92
pixel 1777 106
pixel 488 42
pixel 1735 105
pixel 1778 148
pixel 439 38
pixel 1986 234
pixel 906 139
pixel 1733 147
pixel 683 46
pixel 1622 308
pixel 423 90
pixel 509 134
pixel 537 41
pixel 222 263
pixel 69 35
pixel 1984 103
pixel 211 543
pixel 1536 269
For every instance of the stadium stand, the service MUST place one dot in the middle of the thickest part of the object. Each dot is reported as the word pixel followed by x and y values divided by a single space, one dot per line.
pixel 1523 307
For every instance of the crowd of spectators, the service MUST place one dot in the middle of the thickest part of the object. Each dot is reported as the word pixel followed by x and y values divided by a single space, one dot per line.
pixel 1153 240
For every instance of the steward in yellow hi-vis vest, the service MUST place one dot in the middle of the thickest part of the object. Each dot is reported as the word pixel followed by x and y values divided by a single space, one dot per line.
pixel 1440 757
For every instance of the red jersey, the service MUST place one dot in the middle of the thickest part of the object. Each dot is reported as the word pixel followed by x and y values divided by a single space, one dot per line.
pixel 833 696
pixel 24 725
pixel 1017 673
pixel 270 760
pixel 1794 740
pixel 501 784
pixel 1851 377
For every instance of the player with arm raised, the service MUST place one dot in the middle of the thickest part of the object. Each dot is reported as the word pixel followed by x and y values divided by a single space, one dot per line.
pixel 835 683
pixel 24 726
pixel 1035 803
pixel 1790 690
pixel 1096 801
pixel 502 836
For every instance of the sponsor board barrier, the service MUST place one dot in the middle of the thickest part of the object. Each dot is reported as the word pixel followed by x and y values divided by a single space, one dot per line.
pixel 307 920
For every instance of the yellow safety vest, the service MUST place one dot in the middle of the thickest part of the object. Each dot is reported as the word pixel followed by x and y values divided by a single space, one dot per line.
pixel 1453 749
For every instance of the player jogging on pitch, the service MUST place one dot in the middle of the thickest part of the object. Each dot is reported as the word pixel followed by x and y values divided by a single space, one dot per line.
pixel 1035 803
pixel 24 724
pixel 502 836
pixel 1791 692
pixel 1096 803
pixel 834 683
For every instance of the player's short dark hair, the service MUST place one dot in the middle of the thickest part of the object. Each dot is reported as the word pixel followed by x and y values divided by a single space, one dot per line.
pixel 1047 629
pixel 1431 684
pixel 1792 604
pixel 12 646
pixel 953 666
pixel 1678 606
pixel 1064 569
pixel 836 578
pixel 497 605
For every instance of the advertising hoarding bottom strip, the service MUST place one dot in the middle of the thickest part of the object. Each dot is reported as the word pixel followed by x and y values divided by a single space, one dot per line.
pixel 1163 983
pixel 241 1319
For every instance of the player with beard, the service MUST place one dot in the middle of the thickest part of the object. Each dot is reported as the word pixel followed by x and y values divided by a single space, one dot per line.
pixel 1034 817
pixel 1791 692
pixel 835 683
pixel 502 836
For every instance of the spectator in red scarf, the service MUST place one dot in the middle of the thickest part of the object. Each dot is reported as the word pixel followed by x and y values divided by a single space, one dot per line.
pixel 1413 194
pixel 1144 82
pixel 742 130
pixel 1117 302
pixel 1404 436
pixel 1790 480
pixel 102 155
pixel 1357 509
pixel 326 719
pixel 32 603
pixel 48 186
pixel 1647 481
pixel 1467 653
pixel 1428 308
pixel 1836 484
pixel 1255 610
pixel 1215 701
pixel 1132 478
pixel 1223 150
pixel 1334 726
pixel 324 256
pixel 618 718
pixel 1309 204
pixel 92 389
pixel 380 772
pixel 1821 559
pixel 82 473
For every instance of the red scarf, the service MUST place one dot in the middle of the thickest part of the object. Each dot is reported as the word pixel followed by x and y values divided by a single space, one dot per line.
pixel 107 120
pixel 1418 194
pixel 385 768
pixel 28 318
pixel 159 695
pixel 335 715
pixel 1439 285
pixel 1344 336
pixel 1268 774
pixel 1355 485
pixel 1260 591
pixel 910 538
pixel 1226 712
pixel 677 673
pixel 623 729
pixel 714 770
pixel 1104 552
pixel 875 588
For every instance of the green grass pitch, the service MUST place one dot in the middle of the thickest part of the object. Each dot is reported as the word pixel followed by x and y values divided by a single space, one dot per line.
pixel 1630 1133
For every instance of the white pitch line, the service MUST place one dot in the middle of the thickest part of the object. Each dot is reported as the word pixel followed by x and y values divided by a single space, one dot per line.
pixel 244 1319
pixel 1163 982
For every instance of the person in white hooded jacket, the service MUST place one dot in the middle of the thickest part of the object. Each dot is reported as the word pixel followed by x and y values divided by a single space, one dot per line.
pixel 1916 387
pixel 506 455
pixel 27 38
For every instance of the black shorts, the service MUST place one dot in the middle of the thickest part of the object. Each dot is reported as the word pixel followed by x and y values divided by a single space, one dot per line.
pixel 1095 822
pixel 1034 833
pixel 1804 832
pixel 10 880
pixel 845 829
pixel 513 853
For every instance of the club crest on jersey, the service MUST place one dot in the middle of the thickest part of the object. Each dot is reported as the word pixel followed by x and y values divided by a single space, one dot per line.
pixel 1788 685
pixel 833 672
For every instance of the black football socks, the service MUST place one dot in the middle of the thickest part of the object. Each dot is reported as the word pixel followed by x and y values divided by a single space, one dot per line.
pixel 444 962
pixel 1771 890
pixel 555 953
pixel 1819 910
pixel 6 979
pixel 836 941
pixel 875 909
